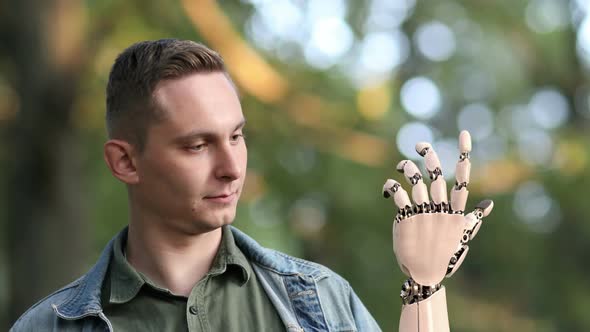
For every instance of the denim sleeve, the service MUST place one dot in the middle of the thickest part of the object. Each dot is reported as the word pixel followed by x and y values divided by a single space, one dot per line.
pixel 38 318
pixel 363 319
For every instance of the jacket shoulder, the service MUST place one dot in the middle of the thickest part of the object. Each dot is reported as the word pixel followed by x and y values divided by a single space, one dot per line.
pixel 41 316
pixel 302 266
pixel 341 306
pixel 280 262
pixel 337 299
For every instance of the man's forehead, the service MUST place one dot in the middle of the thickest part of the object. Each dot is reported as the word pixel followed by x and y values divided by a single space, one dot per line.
pixel 206 94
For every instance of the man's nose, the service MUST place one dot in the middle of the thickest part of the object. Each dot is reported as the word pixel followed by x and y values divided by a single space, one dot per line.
pixel 228 166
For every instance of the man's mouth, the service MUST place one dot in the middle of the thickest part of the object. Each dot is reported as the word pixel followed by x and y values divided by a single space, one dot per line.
pixel 223 198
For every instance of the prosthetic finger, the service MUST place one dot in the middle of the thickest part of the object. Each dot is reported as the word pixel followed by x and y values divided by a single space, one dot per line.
pixel 414 177
pixel 438 187
pixel 431 158
pixel 482 210
pixel 474 219
pixel 400 197
pixel 459 193
pixel 457 260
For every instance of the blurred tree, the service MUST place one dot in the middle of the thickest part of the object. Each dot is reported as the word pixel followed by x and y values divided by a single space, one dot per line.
pixel 44 49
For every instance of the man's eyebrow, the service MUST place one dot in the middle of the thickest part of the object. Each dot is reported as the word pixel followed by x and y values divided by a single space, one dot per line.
pixel 241 124
pixel 196 134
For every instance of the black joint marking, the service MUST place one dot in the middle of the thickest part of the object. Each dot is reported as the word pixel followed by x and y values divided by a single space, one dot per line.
pixel 401 169
pixel 431 207
pixel 438 207
pixel 435 173
pixel 393 189
pixel 415 179
pixel 459 186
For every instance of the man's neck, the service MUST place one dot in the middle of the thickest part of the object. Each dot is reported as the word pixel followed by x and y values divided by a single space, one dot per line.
pixel 172 260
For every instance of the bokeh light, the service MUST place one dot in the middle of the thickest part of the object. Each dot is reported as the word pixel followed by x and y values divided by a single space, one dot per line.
pixel 421 97
pixel 543 16
pixel 385 14
pixel 376 57
pixel 435 41
pixel 478 119
pixel 583 41
pixel 318 10
pixel 330 39
pixel 382 52
pixel 549 108
pixel 410 134
pixel 517 118
pixel 533 205
pixel 274 22
pixel 535 147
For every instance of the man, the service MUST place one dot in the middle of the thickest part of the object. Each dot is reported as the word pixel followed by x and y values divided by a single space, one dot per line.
pixel 176 141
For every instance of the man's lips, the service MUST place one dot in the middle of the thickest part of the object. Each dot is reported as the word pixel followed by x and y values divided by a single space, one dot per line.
pixel 221 198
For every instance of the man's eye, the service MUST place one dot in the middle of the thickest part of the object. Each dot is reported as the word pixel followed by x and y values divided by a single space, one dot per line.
pixel 237 137
pixel 197 147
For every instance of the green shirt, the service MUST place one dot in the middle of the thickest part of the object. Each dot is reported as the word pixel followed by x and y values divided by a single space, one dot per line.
pixel 228 298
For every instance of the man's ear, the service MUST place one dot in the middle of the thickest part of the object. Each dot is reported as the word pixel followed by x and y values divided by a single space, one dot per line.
pixel 118 155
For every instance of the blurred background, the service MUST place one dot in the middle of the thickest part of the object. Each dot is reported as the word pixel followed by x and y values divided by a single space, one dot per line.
pixel 336 92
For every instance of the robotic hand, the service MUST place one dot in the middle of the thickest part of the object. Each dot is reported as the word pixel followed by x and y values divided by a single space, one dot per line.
pixel 430 236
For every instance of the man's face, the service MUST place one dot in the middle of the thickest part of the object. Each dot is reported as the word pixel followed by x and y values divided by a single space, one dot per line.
pixel 192 169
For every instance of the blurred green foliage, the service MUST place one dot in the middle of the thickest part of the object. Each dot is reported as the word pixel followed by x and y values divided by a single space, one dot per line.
pixel 319 152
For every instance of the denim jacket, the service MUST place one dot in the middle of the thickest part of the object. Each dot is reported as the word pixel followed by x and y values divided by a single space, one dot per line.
pixel 307 296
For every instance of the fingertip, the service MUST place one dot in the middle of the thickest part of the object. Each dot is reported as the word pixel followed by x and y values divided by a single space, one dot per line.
pixel 464 141
pixel 400 166
pixel 486 206
pixel 387 187
pixel 422 148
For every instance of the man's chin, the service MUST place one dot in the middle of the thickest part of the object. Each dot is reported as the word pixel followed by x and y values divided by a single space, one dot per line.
pixel 217 222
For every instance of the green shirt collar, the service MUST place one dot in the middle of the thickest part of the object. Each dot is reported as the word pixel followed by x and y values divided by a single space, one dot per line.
pixel 126 282
pixel 230 255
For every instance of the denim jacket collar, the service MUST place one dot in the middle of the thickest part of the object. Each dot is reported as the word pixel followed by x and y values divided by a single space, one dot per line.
pixel 307 296
pixel 277 261
pixel 86 298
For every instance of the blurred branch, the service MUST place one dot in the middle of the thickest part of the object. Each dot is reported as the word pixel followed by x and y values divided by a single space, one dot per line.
pixel 250 71
pixel 258 78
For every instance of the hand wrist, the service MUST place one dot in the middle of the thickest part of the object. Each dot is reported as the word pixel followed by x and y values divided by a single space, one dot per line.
pixel 412 292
